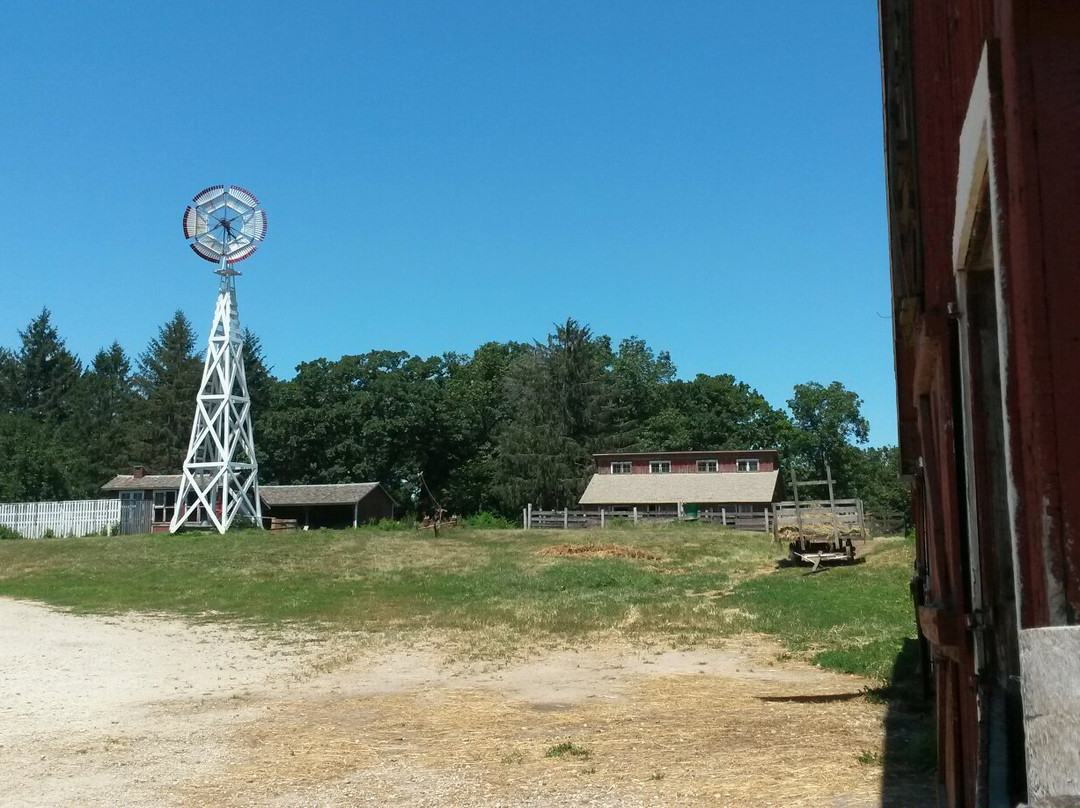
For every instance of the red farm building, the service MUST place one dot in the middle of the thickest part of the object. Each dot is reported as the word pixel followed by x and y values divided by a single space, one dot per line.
pixel 982 144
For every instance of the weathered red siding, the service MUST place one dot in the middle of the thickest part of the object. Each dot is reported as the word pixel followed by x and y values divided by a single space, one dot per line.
pixel 1016 421
pixel 686 462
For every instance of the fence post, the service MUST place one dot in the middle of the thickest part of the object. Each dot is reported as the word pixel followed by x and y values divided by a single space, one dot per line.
pixel 565 518
pixel 635 516
pixel 601 518
pixel 530 516
pixel 723 517
pixel 524 518
pixel 766 515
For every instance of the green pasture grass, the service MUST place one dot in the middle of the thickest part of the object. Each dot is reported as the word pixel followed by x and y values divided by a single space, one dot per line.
pixel 854 619
pixel 707 583
pixel 371 579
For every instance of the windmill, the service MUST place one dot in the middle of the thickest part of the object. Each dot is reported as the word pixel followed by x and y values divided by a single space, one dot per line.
pixel 220 479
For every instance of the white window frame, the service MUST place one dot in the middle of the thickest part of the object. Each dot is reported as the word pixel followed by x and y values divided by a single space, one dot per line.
pixel 166 509
pixel 659 467
pixel 131 496
pixel 622 467
pixel 708 466
pixel 751 464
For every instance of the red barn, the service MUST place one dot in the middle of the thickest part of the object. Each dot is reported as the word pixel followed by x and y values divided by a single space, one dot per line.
pixel 982 143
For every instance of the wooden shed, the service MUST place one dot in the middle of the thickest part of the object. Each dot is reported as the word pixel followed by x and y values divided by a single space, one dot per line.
pixel 982 147
pixel 342 505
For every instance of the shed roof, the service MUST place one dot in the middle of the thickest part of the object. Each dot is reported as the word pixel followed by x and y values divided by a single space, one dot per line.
pixel 337 494
pixel 662 489
pixel 340 494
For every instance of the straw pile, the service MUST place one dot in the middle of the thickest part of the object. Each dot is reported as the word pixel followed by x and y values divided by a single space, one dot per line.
pixel 598 551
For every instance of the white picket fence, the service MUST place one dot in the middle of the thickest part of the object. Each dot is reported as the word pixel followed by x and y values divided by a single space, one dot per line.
pixel 34 520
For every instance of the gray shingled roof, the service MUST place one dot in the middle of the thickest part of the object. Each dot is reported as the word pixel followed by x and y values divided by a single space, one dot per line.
pixel 148 482
pixel 342 494
pixel 664 489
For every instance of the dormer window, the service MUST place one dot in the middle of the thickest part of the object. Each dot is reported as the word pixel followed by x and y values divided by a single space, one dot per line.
pixel 708 465
pixel 746 464
pixel 659 467
pixel 621 467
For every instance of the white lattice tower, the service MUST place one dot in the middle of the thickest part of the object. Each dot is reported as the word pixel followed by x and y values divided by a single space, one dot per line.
pixel 220 477
pixel 220 470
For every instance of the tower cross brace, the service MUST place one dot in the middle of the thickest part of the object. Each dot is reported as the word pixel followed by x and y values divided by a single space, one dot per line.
pixel 220 478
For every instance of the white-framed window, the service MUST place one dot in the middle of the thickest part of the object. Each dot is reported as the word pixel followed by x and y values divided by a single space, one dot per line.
pixel 746 464
pixel 621 467
pixel 131 496
pixel 659 467
pixel 164 506
pixel 708 465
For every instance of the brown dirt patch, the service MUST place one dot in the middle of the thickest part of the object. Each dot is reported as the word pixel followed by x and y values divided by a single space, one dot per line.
pixel 598 551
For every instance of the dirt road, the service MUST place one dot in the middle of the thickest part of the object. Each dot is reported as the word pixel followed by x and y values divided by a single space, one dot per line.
pixel 145 710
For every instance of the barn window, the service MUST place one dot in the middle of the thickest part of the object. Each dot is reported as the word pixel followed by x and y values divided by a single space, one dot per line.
pixel 131 496
pixel 747 464
pixel 621 467
pixel 659 467
pixel 708 465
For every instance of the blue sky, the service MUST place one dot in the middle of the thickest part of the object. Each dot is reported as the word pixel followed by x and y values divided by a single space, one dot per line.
pixel 707 176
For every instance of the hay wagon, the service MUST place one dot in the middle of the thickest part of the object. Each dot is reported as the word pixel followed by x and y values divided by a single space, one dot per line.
pixel 819 531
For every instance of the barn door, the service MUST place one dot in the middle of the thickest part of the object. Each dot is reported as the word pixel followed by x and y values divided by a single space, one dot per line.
pixel 978 250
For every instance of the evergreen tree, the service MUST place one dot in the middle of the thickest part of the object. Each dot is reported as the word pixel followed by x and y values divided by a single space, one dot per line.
pixel 560 410
pixel 102 423
pixel 43 375
pixel 8 382
pixel 37 465
pixel 168 379
pixel 260 381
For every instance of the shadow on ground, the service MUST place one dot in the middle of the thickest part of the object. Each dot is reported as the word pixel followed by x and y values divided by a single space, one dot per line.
pixel 909 757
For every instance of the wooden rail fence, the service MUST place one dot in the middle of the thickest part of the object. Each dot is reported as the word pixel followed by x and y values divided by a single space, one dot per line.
pixel 567 519
pixel 35 520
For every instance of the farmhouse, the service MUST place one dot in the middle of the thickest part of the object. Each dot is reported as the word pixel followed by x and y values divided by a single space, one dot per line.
pixel 315 506
pixel 738 481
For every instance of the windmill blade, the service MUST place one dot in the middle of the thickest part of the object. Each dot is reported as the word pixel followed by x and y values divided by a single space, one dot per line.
pixel 255 225
pixel 205 252
pixel 195 223
pixel 244 196
pixel 207 194
pixel 241 253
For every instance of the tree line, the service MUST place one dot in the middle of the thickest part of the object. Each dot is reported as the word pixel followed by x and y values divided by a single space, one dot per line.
pixel 511 423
